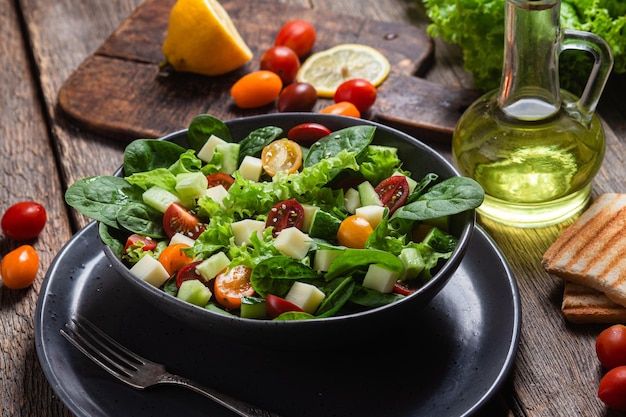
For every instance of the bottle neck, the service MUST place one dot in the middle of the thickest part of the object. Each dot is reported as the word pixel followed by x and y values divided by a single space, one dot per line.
pixel 530 85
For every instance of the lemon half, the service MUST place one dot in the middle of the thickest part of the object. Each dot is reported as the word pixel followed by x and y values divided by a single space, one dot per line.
pixel 326 70
pixel 202 38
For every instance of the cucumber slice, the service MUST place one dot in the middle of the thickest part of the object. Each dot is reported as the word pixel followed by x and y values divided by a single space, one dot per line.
pixel 253 308
pixel 413 263
pixel 324 226
pixel 191 185
pixel 195 292
pixel 159 198
pixel 440 240
pixel 368 195
pixel 229 152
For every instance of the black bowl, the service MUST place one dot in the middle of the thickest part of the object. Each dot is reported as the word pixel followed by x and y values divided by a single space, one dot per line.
pixel 375 324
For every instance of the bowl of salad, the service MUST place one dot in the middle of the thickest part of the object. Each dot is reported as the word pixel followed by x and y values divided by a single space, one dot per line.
pixel 291 229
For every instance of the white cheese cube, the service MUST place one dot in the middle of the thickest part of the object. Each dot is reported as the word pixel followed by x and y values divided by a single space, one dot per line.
pixel 243 229
pixel 323 258
pixel 293 243
pixel 206 152
pixel 380 279
pixel 217 194
pixel 210 267
pixel 306 296
pixel 150 270
pixel 181 238
pixel 251 168
pixel 373 214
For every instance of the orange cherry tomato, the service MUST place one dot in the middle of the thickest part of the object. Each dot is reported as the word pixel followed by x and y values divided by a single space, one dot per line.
pixel 232 284
pixel 354 231
pixel 173 258
pixel 281 155
pixel 343 108
pixel 256 89
pixel 19 267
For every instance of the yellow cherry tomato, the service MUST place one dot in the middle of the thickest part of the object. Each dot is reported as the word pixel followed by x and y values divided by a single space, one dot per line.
pixel 19 267
pixel 281 155
pixel 256 89
pixel 354 231
pixel 343 108
pixel 173 258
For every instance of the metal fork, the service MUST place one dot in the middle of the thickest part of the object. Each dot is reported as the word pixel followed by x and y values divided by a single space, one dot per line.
pixel 139 372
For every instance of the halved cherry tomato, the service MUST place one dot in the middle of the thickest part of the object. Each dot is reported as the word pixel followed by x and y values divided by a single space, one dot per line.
pixel 188 273
pixel 220 178
pixel 24 220
pixel 19 267
pixel 298 35
pixel 343 108
pixel 173 258
pixel 276 306
pixel 307 133
pixel 357 91
pixel 612 389
pixel 231 285
pixel 256 89
pixel 281 60
pixel 402 289
pixel 288 213
pixel 177 219
pixel 611 346
pixel 393 192
pixel 297 97
pixel 354 231
pixel 281 155
pixel 135 239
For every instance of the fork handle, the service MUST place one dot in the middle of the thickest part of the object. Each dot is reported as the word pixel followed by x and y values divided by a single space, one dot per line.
pixel 237 406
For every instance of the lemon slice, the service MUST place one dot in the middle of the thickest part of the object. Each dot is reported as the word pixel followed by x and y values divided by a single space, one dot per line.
pixel 326 70
pixel 202 38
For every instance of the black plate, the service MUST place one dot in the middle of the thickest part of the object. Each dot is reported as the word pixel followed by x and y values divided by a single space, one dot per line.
pixel 452 365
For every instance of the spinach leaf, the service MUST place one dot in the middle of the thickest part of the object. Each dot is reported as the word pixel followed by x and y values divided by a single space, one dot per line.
pixel 116 246
pixel 202 127
pixel 371 298
pixel 423 184
pixel 142 219
pixel 102 197
pixel 338 293
pixel 275 275
pixel 147 154
pixel 451 196
pixel 353 139
pixel 356 261
pixel 256 140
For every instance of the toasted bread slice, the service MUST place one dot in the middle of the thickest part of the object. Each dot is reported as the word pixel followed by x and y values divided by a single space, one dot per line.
pixel 591 251
pixel 585 305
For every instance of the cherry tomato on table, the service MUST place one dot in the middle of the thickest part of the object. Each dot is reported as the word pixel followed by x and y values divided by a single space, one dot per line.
pixel 354 231
pixel 393 192
pixel 230 285
pixel 24 220
pixel 298 35
pixel 288 213
pixel 276 306
pixel 220 178
pixel 612 389
pixel 281 60
pixel 611 346
pixel 307 133
pixel 357 91
pixel 281 155
pixel 177 219
pixel 19 267
pixel 173 258
pixel 297 97
pixel 343 108
pixel 256 89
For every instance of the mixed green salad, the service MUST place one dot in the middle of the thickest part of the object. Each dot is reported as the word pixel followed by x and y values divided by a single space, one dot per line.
pixel 270 227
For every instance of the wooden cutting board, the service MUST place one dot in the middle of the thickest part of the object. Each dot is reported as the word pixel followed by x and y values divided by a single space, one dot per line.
pixel 120 92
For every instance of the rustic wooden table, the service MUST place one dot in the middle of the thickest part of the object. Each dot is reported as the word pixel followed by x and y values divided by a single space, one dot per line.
pixel 555 372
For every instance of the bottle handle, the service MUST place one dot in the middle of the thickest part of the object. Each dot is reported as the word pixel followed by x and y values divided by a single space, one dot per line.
pixel 602 65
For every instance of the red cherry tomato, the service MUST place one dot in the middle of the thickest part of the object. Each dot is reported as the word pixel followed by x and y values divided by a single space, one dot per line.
pixel 288 213
pixel 357 91
pixel 219 178
pixel 343 108
pixel 402 289
pixel 135 239
pixel 283 61
pixel 298 35
pixel 612 389
pixel 611 346
pixel 188 273
pixel 24 220
pixel 297 97
pixel 393 192
pixel 307 133
pixel 19 267
pixel 276 306
pixel 232 284
pixel 256 89
pixel 177 219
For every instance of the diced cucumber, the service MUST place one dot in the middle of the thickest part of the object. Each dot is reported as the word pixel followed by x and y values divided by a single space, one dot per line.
pixel 251 168
pixel 309 213
pixel 195 292
pixel 351 200
pixel 191 185
pixel 306 296
pixel 323 258
pixel 253 308
pixel 293 243
pixel 324 226
pixel 150 270
pixel 159 198
pixel 206 152
pixel 440 240
pixel 373 214
pixel 380 278
pixel 243 229
pixel 212 266
pixel 368 195
pixel 229 152
pixel 413 263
